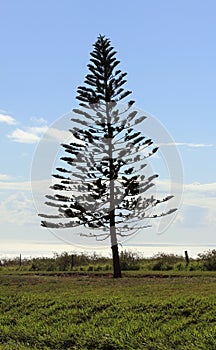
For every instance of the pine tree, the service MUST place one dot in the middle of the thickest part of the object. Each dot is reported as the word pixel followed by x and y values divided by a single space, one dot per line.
pixel 104 187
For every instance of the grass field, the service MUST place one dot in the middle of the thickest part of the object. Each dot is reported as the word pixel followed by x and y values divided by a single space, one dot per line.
pixel 158 311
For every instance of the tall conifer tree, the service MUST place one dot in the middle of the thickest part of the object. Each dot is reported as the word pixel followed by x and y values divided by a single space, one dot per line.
pixel 103 187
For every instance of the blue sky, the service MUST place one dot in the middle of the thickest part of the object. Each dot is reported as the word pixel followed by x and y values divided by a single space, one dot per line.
pixel 168 49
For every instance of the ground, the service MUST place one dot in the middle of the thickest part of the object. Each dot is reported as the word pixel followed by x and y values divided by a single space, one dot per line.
pixel 94 311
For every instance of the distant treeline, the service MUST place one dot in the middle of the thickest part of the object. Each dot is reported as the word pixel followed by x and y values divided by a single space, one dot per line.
pixel 129 261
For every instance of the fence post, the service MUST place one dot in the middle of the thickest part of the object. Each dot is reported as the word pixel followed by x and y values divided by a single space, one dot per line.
pixel 186 257
pixel 72 261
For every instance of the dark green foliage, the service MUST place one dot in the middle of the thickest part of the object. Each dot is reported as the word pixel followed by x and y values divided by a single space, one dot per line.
pixel 208 260
pixel 165 262
pixel 129 261
pixel 43 264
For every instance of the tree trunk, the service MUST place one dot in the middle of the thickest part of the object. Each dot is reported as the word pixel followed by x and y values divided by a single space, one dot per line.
pixel 113 236
pixel 116 262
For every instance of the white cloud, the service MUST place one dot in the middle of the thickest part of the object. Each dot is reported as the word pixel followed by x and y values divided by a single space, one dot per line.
pixel 17 209
pixel 20 186
pixel 36 186
pixel 211 217
pixel 31 135
pixel 34 134
pixel 200 195
pixel 5 118
pixel 4 177
pixel 196 194
pixel 198 202
pixel 37 130
pixel 40 121
pixel 186 144
pixel 60 135
pixel 199 187
pixel 197 199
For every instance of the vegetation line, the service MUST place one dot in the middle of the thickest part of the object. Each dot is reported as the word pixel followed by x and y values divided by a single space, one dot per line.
pixel 71 263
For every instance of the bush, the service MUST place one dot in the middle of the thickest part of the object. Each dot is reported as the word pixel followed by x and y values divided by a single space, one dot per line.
pixel 90 268
pixel 63 261
pixel 180 267
pixel 129 261
pixel 166 262
pixel 161 266
pixel 43 264
pixel 208 260
pixel 98 268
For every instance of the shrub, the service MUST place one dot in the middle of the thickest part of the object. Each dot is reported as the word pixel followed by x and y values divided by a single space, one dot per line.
pixel 166 262
pixel 98 268
pixel 208 260
pixel 162 266
pixel 63 261
pixel 129 261
pixel 43 264
pixel 90 268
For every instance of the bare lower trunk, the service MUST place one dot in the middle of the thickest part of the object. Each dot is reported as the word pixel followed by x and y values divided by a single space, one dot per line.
pixel 116 262
pixel 114 246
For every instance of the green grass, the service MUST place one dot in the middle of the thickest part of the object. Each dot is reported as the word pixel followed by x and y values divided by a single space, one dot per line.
pixel 156 311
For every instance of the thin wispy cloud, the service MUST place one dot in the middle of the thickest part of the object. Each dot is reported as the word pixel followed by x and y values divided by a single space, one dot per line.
pixel 60 135
pixel 17 186
pixel 194 187
pixel 186 144
pixel 39 186
pixel 4 177
pixel 5 118
pixel 38 121
pixel 17 209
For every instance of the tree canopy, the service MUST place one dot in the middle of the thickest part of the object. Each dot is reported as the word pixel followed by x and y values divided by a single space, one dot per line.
pixel 103 185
